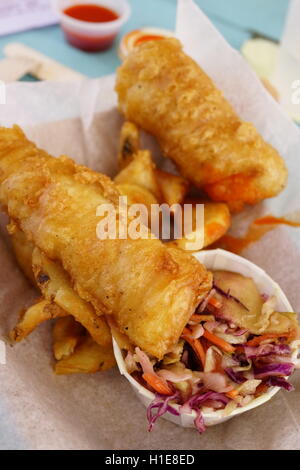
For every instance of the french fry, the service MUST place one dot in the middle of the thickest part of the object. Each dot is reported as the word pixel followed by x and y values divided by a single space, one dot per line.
pixel 129 144
pixel 55 285
pixel 138 195
pixel 121 339
pixel 217 221
pixel 87 358
pixel 174 188
pixel 38 313
pixel 140 172
pixel 23 249
pixel 67 333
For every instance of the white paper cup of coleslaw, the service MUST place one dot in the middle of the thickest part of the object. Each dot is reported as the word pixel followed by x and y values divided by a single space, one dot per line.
pixel 217 260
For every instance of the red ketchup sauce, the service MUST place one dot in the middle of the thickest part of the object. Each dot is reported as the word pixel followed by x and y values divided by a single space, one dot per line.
pixel 90 13
pixel 255 232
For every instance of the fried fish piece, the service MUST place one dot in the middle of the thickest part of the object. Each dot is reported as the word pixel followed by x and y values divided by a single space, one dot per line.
pixel 150 290
pixel 59 297
pixel 23 250
pixel 166 93
pixel 55 286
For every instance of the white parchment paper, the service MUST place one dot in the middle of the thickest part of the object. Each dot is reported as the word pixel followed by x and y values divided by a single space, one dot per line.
pixel 41 411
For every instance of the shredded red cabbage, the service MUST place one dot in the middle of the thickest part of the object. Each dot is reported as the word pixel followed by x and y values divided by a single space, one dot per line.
pixel 202 306
pixel 161 402
pixel 197 399
pixel 229 296
pixel 239 332
pixel 240 359
pixel 279 382
pixel 281 369
pixel 236 377
pixel 267 363
pixel 266 349
pixel 199 422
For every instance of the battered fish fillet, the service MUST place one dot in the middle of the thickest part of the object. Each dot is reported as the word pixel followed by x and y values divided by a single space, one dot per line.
pixel 150 290
pixel 166 93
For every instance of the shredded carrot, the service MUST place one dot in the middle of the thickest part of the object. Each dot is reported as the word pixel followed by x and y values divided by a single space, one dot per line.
pixel 157 384
pixel 232 394
pixel 214 302
pixel 198 348
pixel 259 339
pixel 199 318
pixel 219 342
pixel 195 344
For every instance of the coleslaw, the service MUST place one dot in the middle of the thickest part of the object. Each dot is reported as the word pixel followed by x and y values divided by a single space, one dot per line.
pixel 232 350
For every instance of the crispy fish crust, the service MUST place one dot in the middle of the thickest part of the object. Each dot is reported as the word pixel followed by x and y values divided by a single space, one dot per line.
pixel 166 93
pixel 151 290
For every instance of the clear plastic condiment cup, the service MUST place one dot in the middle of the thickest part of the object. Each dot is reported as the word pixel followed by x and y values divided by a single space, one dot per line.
pixel 90 36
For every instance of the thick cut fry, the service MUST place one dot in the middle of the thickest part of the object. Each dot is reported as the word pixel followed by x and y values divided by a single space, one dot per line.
pixel 174 188
pixel 121 339
pixel 217 221
pixel 167 94
pixel 141 172
pixel 137 195
pixel 149 289
pixel 87 358
pixel 55 285
pixel 141 196
pixel 129 144
pixel 32 317
pixel 67 333
pixel 23 250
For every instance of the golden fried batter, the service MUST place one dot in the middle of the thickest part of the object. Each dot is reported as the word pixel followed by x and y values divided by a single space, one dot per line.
pixel 166 93
pixel 151 290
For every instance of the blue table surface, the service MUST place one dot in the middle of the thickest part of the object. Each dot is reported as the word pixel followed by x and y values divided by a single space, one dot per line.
pixel 237 20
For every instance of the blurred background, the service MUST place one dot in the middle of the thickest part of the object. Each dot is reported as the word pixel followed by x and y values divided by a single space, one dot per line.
pixel 254 27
